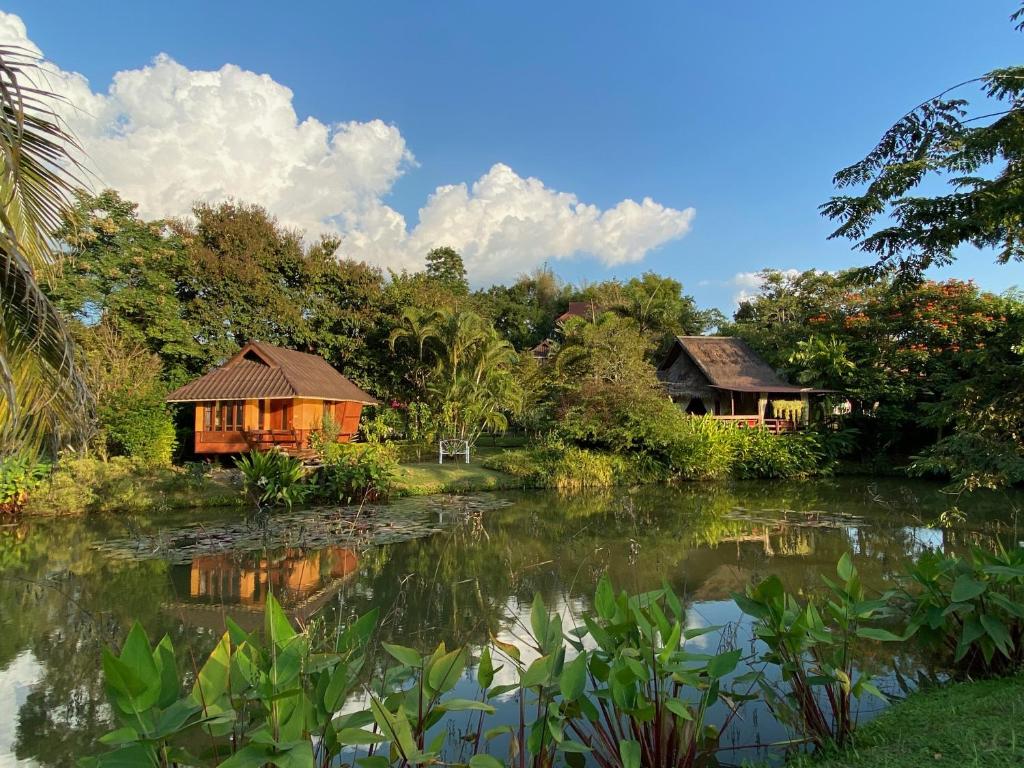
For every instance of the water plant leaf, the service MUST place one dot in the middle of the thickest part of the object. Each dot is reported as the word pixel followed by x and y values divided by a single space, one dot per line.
pixel 212 681
pixel 359 632
pixel 966 588
pixel 573 679
pixel 604 598
pixel 395 728
pixel 629 752
pixel 359 736
pixel 877 633
pixel 537 673
pixel 279 630
pixel 485 761
pixel 844 568
pixel 463 705
pixel 445 671
pixel 539 618
pixel 485 669
pixel 508 648
pixel 408 656
pixel 723 664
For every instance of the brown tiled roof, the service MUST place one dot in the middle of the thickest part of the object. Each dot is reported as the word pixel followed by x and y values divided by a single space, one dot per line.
pixel 585 309
pixel 262 370
pixel 729 363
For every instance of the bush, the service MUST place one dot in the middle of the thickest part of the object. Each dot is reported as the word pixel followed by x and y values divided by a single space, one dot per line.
pixel 703 448
pixel 272 478
pixel 140 427
pixel 765 456
pixel 568 467
pixel 20 475
pixel 356 472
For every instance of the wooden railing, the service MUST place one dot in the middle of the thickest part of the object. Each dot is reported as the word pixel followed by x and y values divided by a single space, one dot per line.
pixel 775 426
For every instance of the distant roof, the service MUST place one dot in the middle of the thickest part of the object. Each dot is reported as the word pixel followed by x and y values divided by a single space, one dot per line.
pixel 585 309
pixel 261 370
pixel 729 363
pixel 543 350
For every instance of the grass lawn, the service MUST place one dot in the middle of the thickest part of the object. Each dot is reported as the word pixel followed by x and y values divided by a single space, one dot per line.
pixel 968 725
pixel 454 476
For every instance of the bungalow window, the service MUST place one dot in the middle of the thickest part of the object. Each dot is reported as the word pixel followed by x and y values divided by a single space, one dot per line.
pixel 224 416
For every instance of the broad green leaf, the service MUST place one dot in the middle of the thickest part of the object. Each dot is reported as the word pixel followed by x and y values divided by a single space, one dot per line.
pixel 537 673
pixel 568 745
pixel 844 568
pixel 485 669
pixel 275 623
pixel 876 633
pixel 629 752
pixel 395 728
pixel 445 672
pixel 678 708
pixel 604 598
pixel 408 656
pixel 212 682
pixel 573 679
pixel 508 648
pixel 966 588
pixel 996 630
pixel 359 736
pixel 359 632
pixel 462 705
pixel 671 643
pixel 723 664
pixel 485 761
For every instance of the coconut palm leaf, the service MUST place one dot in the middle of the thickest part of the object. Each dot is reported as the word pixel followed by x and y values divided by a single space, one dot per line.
pixel 43 397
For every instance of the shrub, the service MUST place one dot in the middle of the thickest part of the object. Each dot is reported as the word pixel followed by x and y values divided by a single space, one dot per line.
pixel 139 426
pixel 568 467
pixel 272 478
pixel 20 475
pixel 703 448
pixel 766 456
pixel 356 472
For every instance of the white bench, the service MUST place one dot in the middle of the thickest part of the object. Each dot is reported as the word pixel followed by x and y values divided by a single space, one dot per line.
pixel 452 447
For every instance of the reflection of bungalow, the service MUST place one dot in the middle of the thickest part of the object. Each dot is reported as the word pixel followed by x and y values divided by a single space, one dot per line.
pixel 722 376
pixel 292 577
pixel 266 396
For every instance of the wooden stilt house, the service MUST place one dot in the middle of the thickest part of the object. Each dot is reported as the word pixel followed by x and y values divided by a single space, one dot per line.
pixel 269 396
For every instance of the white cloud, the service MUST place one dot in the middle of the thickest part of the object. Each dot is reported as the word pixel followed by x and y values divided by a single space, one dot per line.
pixel 166 136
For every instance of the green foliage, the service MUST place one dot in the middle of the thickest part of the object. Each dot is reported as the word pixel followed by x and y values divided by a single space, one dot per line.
pixel 385 424
pixel 770 457
pixel 20 475
pixel 813 643
pixel 272 478
pixel 920 364
pixel 703 448
pixel 445 266
pixel 355 472
pixel 254 701
pixel 967 610
pixel 977 152
pixel 567 467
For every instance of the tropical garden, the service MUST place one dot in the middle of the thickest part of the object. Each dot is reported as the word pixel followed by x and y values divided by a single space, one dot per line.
pixel 104 312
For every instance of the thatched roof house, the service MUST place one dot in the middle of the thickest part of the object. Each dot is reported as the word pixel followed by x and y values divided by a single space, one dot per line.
pixel 267 395
pixel 723 376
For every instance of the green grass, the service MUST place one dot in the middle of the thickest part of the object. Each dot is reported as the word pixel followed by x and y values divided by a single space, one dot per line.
pixel 967 725
pixel 454 476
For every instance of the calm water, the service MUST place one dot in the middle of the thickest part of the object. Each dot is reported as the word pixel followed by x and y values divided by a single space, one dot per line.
pixel 62 595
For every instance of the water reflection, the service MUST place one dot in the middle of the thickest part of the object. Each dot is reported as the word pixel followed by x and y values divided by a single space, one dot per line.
pixel 61 599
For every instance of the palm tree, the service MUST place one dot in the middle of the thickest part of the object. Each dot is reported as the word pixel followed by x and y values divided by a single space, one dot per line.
pixel 43 398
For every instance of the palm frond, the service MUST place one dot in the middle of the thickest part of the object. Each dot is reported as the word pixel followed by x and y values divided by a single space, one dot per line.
pixel 43 397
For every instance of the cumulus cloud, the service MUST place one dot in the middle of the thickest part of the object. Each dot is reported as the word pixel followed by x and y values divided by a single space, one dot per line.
pixel 166 136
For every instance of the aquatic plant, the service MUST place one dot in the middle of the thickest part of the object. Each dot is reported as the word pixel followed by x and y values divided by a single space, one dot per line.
pixel 968 610
pixel 813 649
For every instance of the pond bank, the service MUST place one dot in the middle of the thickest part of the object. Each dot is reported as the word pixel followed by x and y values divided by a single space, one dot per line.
pixel 967 724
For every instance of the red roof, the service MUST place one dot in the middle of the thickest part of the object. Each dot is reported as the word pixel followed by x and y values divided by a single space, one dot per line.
pixel 262 370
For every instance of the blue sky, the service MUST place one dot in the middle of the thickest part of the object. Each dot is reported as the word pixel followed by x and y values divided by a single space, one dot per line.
pixel 740 111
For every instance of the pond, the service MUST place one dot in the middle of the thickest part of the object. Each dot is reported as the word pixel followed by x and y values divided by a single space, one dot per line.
pixel 440 569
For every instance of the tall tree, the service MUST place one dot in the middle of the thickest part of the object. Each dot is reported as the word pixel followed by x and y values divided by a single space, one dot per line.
pixel 445 266
pixel 977 152
pixel 43 396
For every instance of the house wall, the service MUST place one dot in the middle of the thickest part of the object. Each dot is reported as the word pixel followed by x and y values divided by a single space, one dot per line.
pixel 305 417
pixel 685 380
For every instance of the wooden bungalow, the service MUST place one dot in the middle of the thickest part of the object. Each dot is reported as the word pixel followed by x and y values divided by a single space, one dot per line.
pixel 269 396
pixel 722 376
